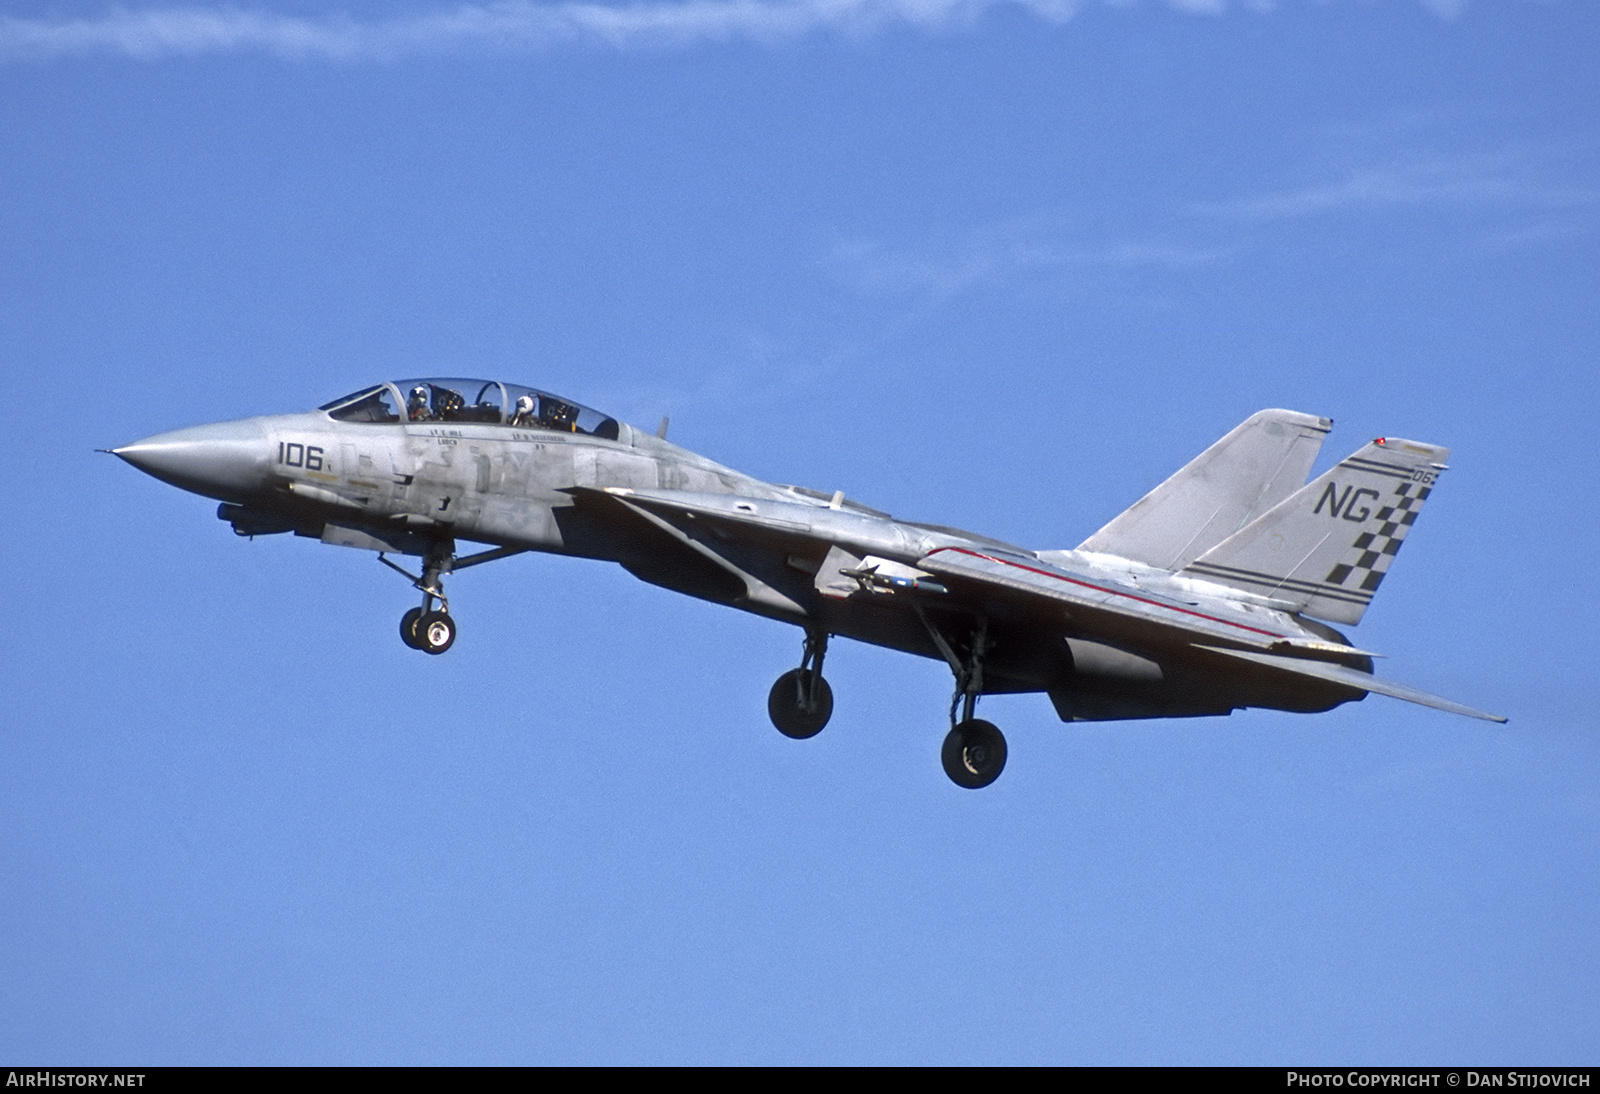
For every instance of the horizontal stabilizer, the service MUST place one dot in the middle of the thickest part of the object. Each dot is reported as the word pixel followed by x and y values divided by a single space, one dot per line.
pixel 1354 678
pixel 1262 461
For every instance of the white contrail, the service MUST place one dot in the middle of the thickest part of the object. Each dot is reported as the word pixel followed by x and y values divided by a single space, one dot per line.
pixel 513 26
pixel 1510 179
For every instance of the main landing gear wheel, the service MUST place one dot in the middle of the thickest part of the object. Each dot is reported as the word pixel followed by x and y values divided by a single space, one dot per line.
pixel 408 628
pixel 974 751
pixel 798 708
pixel 974 754
pixel 435 632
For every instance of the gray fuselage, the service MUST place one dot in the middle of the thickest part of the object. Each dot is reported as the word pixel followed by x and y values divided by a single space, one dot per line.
pixel 417 486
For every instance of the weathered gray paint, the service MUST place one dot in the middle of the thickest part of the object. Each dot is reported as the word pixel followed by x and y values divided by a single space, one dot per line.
pixel 1106 634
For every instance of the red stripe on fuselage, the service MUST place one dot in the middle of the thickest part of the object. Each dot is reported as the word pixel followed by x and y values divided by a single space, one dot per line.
pixel 1113 592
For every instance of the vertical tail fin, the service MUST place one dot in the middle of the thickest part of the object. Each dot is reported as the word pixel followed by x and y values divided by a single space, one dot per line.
pixel 1328 546
pixel 1253 468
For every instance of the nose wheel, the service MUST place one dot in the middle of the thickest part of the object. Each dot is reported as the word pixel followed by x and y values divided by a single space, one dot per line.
pixel 801 702
pixel 427 628
pixel 408 628
pixel 430 632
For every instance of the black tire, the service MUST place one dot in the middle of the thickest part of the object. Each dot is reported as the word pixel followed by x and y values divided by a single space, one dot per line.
pixel 974 754
pixel 787 709
pixel 408 628
pixel 436 632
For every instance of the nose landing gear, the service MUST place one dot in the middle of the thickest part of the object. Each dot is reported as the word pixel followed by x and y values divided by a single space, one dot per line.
pixel 431 629
pixel 424 628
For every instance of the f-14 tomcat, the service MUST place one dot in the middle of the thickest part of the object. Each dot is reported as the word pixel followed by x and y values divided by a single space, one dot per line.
pixel 1210 594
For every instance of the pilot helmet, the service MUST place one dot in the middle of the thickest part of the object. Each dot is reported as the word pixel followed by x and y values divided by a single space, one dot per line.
pixel 419 394
pixel 525 405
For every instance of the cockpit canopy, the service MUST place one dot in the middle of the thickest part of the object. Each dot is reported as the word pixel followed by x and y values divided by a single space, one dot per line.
pixel 488 402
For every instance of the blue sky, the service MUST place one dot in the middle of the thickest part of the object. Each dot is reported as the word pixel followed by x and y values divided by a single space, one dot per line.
pixel 998 265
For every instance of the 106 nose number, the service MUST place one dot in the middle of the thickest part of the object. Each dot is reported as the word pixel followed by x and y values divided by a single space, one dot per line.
pixel 308 456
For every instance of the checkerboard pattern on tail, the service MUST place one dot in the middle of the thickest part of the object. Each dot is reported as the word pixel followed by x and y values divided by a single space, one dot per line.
pixel 1379 548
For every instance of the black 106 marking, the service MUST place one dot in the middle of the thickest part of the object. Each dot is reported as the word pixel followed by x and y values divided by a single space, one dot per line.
pixel 308 456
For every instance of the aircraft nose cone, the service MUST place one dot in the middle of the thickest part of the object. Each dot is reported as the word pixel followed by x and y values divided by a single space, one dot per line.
pixel 225 461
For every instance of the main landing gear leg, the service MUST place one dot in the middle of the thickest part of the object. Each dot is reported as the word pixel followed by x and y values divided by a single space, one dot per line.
pixel 801 702
pixel 974 751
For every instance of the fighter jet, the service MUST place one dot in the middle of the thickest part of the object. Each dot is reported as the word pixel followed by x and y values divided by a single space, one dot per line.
pixel 1212 593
